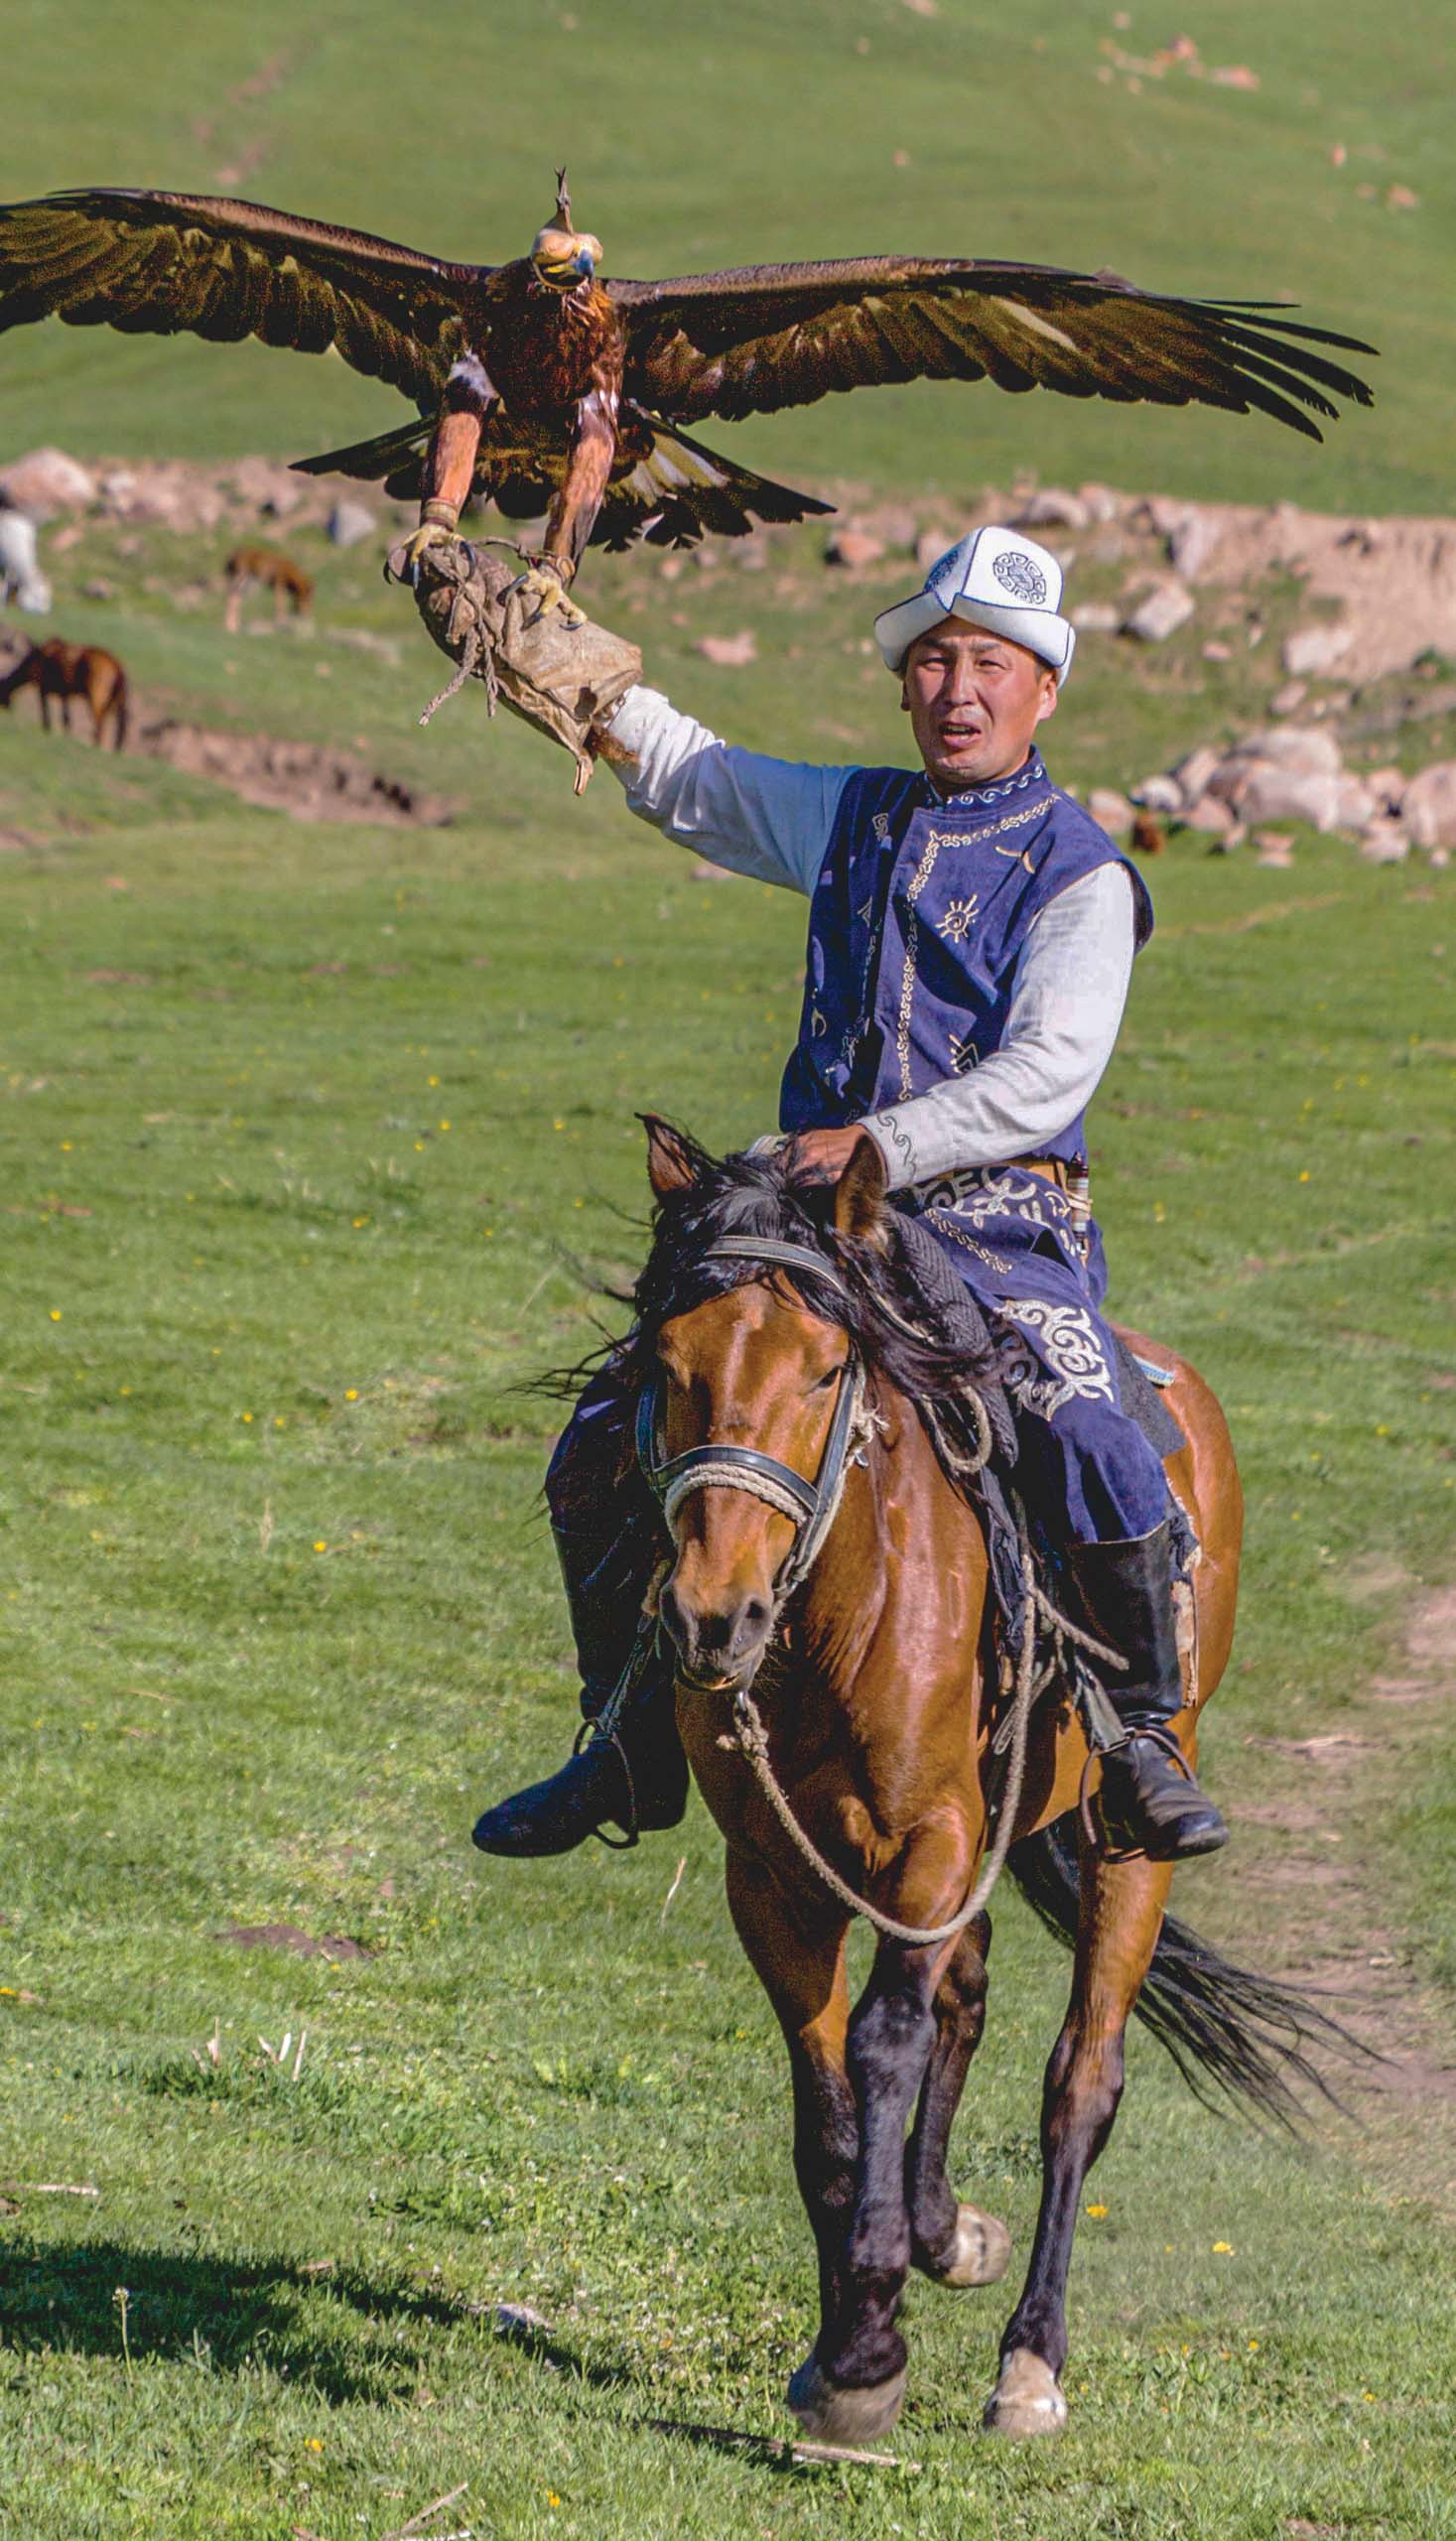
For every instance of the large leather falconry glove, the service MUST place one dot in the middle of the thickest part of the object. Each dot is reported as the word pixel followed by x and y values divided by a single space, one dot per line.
pixel 565 681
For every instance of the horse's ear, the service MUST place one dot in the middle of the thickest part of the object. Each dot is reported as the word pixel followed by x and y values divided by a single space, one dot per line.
pixel 670 1162
pixel 858 1199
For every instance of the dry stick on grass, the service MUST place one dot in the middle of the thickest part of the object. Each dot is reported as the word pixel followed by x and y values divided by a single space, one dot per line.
pixel 48 2187
pixel 408 2531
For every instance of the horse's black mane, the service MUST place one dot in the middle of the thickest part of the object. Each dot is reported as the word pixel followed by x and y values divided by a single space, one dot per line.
pixel 927 1344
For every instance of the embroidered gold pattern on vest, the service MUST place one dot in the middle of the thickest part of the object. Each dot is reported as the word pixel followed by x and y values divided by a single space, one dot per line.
pixel 959 918
pixel 935 840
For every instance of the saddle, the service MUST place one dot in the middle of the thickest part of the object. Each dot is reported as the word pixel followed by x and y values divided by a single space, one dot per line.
pixel 1141 1382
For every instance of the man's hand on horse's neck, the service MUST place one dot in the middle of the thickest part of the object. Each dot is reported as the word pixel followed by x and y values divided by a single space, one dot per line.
pixel 823 1156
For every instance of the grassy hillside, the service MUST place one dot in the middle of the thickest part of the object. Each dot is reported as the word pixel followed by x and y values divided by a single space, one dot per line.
pixel 312 1139
pixel 709 134
pixel 304 1132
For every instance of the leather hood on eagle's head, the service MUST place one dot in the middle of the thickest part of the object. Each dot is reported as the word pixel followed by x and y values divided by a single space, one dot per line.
pixel 565 257
pixel 562 254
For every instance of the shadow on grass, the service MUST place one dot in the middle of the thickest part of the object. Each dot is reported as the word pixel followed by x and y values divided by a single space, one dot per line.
pixel 233 2316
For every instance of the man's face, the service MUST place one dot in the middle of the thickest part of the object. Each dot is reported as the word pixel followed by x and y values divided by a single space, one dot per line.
pixel 974 700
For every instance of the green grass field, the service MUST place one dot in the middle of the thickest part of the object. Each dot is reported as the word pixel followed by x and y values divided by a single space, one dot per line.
pixel 315 1141
pixel 305 1133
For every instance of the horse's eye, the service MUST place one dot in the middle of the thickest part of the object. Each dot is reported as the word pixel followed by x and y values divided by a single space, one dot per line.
pixel 831 1377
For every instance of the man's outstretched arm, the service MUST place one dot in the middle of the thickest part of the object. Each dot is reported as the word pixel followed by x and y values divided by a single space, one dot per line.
pixel 770 818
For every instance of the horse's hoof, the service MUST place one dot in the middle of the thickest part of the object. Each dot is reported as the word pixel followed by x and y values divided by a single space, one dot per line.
pixel 979 2250
pixel 1027 2400
pixel 831 2415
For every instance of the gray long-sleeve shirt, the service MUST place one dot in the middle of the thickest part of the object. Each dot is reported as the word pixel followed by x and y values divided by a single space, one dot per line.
pixel 773 818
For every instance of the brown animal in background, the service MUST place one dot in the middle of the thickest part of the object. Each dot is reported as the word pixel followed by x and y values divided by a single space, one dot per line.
pixel 1147 836
pixel 59 670
pixel 248 565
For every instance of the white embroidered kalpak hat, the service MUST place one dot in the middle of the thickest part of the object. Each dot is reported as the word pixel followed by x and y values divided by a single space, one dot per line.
pixel 995 579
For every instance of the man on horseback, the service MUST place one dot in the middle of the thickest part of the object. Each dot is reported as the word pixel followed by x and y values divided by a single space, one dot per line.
pixel 971 934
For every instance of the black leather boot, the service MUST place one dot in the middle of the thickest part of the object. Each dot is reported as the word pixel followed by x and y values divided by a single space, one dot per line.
pixel 633 1775
pixel 1149 1801
pixel 630 1768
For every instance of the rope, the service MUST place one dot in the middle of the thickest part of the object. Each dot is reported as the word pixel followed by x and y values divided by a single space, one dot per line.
pixel 752 1738
pixel 465 630
pixel 473 645
pixel 729 1477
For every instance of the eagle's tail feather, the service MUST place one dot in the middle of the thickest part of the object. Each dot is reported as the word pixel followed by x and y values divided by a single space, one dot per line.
pixel 395 457
pixel 679 490
pixel 673 495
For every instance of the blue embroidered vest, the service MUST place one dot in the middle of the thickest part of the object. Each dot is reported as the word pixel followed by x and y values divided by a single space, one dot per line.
pixel 917 921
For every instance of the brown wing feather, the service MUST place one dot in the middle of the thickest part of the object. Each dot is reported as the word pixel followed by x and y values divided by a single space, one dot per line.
pixel 162 264
pixel 769 336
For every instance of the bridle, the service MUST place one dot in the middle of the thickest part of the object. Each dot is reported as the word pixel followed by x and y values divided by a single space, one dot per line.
pixel 810 1507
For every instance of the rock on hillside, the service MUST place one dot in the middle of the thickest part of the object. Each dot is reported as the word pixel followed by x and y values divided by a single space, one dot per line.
pixel 1297 773
pixel 1394 581
pixel 174 493
pixel 46 482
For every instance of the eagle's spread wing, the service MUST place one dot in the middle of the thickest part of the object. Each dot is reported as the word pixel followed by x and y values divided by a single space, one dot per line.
pixel 746 342
pixel 161 264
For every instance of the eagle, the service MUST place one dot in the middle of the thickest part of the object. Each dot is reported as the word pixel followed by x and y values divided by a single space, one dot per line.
pixel 542 387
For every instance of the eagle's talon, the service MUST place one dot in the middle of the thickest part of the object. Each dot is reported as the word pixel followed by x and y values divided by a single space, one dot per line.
pixel 431 533
pixel 546 585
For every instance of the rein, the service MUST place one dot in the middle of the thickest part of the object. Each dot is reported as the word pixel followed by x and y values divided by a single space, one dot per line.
pixel 812 1506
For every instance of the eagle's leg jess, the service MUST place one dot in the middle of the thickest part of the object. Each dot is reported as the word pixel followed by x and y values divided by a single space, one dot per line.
pixel 450 464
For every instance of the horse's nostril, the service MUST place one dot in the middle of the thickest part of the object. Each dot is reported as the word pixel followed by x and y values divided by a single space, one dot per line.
pixel 754 1621
pixel 670 1614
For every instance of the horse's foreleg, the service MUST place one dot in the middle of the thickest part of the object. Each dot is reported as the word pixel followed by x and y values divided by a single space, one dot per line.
pixel 851 2387
pixel 798 1957
pixel 954 2243
pixel 1122 1915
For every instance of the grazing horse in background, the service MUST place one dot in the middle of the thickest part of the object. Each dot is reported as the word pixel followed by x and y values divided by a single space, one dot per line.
pixel 21 578
pixel 65 671
pixel 248 566
pixel 851 1616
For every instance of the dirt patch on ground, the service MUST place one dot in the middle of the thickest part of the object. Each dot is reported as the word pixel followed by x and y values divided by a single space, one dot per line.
pixel 1312 1888
pixel 332 1946
pixel 304 778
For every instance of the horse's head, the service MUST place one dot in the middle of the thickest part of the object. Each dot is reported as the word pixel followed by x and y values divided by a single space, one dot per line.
pixel 750 1367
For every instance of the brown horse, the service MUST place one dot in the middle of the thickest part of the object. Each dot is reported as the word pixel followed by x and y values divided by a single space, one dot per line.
pixel 62 671
pixel 269 568
pixel 867 1645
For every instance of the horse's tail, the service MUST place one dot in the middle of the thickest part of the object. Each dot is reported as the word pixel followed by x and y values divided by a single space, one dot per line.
pixel 121 706
pixel 1249 2037
pixel 22 674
